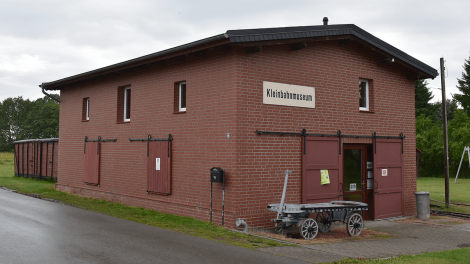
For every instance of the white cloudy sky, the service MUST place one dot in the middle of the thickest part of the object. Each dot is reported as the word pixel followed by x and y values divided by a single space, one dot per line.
pixel 46 40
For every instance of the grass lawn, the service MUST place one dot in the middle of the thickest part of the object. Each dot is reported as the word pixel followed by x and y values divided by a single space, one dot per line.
pixel 443 257
pixel 459 192
pixel 6 164
pixel 181 224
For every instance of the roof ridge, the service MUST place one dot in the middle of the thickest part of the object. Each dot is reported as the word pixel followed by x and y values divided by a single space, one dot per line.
pixel 266 34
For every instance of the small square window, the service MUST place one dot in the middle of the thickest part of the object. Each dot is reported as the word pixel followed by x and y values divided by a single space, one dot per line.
pixel 182 97
pixel 127 104
pixel 363 95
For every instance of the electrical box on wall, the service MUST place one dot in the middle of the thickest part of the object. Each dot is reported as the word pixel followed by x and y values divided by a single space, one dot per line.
pixel 217 174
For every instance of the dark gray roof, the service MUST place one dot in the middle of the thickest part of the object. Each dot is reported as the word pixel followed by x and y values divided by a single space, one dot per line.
pixel 266 34
pixel 133 62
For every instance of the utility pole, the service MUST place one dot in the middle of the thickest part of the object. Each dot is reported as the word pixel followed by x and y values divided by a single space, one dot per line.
pixel 444 121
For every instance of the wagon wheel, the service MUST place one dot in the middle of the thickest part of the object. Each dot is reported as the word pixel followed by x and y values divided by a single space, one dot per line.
pixel 355 224
pixel 308 228
pixel 282 229
pixel 324 220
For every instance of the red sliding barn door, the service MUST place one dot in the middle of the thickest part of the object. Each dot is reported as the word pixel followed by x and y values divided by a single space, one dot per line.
pixel 159 167
pixel 92 163
pixel 388 178
pixel 321 153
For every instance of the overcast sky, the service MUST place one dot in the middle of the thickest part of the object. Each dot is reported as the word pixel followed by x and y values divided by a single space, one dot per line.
pixel 43 41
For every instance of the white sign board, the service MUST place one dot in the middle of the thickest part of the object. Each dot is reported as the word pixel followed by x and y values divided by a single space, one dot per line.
pixel 370 184
pixel 157 164
pixel 352 186
pixel 288 95
pixel 384 172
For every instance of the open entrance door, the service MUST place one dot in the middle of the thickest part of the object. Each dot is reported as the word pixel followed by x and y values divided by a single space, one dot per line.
pixel 357 159
pixel 321 153
pixel 388 178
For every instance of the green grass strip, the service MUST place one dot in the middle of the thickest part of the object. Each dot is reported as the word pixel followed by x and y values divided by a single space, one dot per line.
pixel 442 257
pixel 187 225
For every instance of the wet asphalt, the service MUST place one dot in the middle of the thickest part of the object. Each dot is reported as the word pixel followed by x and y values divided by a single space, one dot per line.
pixel 38 231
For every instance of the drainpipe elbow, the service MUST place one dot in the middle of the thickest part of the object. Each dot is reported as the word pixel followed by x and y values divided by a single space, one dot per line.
pixel 240 222
pixel 48 95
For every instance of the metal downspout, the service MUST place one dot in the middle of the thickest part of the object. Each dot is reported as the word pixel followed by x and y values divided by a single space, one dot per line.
pixel 48 95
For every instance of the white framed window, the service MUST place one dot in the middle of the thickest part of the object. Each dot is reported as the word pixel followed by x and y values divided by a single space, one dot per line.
pixel 182 97
pixel 127 104
pixel 363 95
pixel 88 109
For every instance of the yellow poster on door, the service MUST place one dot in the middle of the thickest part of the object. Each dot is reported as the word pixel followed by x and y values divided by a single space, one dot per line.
pixel 325 178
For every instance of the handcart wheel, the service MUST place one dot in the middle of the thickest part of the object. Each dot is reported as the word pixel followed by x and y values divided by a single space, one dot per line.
pixel 282 229
pixel 308 228
pixel 324 221
pixel 355 224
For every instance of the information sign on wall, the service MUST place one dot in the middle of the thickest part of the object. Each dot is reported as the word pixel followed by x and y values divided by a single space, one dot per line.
pixel 325 178
pixel 384 172
pixel 352 186
pixel 157 164
pixel 288 95
pixel 370 184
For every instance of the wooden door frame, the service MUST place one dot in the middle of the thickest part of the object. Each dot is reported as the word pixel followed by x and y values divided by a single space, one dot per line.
pixel 364 191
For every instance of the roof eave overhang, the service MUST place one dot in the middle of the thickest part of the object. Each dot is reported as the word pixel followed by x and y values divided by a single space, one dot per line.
pixel 271 36
pixel 334 32
pixel 141 61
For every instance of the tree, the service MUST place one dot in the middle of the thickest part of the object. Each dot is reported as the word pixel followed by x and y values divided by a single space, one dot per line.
pixel 422 97
pixel 430 139
pixel 23 119
pixel 459 137
pixel 13 113
pixel 464 87
pixel 42 121
pixel 451 107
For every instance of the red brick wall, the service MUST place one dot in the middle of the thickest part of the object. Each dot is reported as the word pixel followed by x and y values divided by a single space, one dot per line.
pixel 334 71
pixel 224 92
pixel 199 135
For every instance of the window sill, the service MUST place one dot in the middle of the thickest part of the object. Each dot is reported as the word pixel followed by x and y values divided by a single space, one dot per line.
pixel 157 193
pixel 85 120
pixel 179 112
pixel 366 111
pixel 123 122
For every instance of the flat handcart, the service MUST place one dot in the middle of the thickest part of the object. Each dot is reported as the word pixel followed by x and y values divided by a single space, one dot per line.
pixel 290 215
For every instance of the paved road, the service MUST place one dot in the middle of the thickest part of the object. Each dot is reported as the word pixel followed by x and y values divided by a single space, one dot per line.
pixel 38 231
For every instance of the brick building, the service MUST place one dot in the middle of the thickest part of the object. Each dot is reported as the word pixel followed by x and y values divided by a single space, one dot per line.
pixel 210 103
